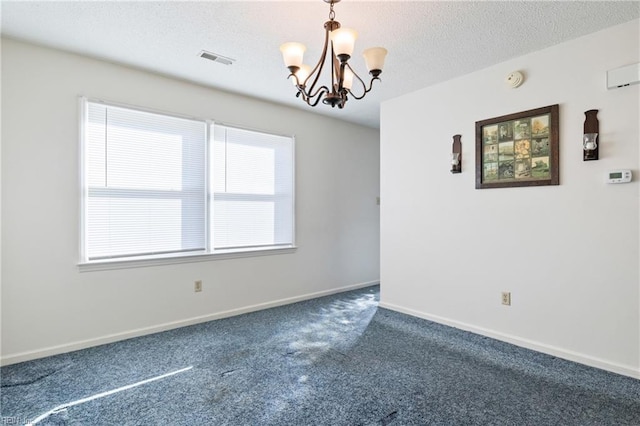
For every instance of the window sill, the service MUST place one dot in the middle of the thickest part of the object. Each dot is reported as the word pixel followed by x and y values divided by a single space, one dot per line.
pixel 105 265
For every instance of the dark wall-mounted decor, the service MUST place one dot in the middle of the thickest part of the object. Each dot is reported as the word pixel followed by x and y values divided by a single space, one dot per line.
pixel 591 126
pixel 518 149
pixel 456 154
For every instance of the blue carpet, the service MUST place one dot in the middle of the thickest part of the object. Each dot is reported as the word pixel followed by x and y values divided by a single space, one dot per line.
pixel 336 360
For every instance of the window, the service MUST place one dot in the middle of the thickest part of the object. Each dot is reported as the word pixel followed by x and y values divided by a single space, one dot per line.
pixel 158 186
pixel 252 189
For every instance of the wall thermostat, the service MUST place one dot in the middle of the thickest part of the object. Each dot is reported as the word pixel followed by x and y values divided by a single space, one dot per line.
pixel 619 176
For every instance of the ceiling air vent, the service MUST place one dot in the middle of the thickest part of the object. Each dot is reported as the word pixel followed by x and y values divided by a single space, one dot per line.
pixel 215 57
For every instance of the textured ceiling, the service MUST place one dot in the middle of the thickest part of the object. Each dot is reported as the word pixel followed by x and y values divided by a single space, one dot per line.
pixel 428 42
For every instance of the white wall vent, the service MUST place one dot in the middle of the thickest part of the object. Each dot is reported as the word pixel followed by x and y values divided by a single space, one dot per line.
pixel 623 76
pixel 215 57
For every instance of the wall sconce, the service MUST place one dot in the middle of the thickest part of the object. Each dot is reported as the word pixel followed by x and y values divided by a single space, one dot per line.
pixel 590 136
pixel 456 155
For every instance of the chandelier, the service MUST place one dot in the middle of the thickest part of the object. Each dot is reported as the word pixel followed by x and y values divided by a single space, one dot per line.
pixel 338 46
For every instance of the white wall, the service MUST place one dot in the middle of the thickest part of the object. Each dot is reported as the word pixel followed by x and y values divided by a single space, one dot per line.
pixel 48 306
pixel 568 254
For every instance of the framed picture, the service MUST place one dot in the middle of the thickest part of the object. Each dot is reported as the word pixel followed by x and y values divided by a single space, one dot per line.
pixel 519 149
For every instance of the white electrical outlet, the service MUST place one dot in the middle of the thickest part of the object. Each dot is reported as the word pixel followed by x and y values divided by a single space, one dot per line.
pixel 506 298
pixel 197 286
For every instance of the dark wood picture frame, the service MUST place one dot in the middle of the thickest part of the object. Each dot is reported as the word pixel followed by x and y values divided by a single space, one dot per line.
pixel 518 149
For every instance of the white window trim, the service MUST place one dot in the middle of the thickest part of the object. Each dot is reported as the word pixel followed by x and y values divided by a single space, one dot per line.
pixel 141 262
pixel 170 259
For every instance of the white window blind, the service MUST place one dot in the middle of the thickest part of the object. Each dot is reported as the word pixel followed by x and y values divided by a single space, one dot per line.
pixel 145 183
pixel 158 186
pixel 252 183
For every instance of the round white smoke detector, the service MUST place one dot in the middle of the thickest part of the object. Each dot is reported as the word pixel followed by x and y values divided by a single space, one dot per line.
pixel 514 79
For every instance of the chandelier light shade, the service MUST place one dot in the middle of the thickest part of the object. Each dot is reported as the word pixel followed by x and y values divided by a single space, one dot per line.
pixel 293 53
pixel 338 49
pixel 374 58
pixel 343 41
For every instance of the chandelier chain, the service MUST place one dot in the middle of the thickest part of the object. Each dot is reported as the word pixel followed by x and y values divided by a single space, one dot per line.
pixel 332 14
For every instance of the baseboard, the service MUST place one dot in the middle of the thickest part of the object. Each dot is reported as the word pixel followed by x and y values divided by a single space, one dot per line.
pixel 518 341
pixel 84 344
